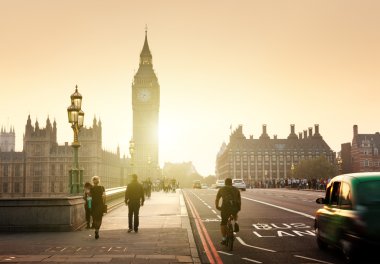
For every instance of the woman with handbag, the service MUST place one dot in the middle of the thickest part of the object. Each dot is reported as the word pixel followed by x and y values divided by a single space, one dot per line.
pixel 98 195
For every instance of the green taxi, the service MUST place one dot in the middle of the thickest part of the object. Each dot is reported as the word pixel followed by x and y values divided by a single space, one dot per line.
pixel 350 216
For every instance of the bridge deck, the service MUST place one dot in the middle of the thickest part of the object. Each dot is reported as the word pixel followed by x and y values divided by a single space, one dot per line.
pixel 164 236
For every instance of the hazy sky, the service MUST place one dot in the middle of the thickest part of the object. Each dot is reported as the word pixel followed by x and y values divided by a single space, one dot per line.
pixel 218 62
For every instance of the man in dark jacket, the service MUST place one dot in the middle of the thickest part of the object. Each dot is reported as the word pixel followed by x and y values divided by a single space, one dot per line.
pixel 134 198
pixel 231 205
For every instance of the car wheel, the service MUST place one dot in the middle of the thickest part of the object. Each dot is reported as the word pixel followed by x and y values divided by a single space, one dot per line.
pixel 347 249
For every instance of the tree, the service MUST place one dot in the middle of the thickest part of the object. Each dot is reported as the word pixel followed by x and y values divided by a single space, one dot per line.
pixel 209 180
pixel 184 173
pixel 315 169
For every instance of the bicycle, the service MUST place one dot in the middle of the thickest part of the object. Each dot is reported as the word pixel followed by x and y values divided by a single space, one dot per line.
pixel 230 233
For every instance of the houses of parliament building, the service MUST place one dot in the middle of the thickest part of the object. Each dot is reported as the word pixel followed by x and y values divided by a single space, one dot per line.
pixel 41 169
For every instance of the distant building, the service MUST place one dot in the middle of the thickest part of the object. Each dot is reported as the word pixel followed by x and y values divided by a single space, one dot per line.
pixel 7 139
pixel 363 154
pixel 265 159
pixel 41 169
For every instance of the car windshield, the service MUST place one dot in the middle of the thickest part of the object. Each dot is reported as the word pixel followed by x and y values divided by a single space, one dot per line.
pixel 238 181
pixel 368 193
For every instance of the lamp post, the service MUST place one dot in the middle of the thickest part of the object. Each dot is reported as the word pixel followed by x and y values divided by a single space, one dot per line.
pixel 339 161
pixel 149 162
pixel 292 169
pixel 265 178
pixel 76 118
pixel 132 151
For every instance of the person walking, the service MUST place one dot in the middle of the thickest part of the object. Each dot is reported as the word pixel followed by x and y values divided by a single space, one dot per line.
pixel 98 195
pixel 134 198
pixel 88 203
pixel 231 205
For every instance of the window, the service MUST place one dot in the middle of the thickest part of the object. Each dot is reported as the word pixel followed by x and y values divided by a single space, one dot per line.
pixel 5 187
pixel 17 187
pixel 17 170
pixel 327 195
pixel 5 170
pixel 345 196
pixel 52 172
pixel 334 198
pixel 36 186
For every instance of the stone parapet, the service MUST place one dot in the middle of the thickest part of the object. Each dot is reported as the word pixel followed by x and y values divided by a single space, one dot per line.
pixel 42 214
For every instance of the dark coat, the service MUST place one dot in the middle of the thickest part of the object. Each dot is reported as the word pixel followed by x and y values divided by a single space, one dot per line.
pixel 134 193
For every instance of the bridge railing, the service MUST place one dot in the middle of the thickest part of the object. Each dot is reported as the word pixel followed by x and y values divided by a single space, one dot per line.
pixel 115 197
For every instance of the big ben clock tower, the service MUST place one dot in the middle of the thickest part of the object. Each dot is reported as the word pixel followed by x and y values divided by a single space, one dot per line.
pixel 145 105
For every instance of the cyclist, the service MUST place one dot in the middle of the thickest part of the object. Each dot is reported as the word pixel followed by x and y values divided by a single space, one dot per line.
pixel 231 204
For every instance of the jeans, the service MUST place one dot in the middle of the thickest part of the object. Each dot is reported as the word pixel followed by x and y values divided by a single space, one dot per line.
pixel 133 214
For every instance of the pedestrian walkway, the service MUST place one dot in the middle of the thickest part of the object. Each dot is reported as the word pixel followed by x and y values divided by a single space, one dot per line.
pixel 164 236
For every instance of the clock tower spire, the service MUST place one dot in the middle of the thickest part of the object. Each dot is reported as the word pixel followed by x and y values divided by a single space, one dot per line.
pixel 145 106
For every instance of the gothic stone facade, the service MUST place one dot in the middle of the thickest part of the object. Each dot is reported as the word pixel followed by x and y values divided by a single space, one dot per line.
pixel 264 159
pixel 145 106
pixel 42 168
pixel 7 139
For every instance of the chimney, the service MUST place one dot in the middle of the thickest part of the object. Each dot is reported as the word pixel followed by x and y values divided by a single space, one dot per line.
pixel 305 134
pixel 300 135
pixel 292 129
pixel 316 128
pixel 264 135
pixel 275 136
pixel 355 130
pixel 310 131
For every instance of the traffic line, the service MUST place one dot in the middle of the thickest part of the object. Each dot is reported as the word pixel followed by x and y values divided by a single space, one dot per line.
pixel 251 260
pixel 320 261
pixel 279 207
pixel 260 248
pixel 209 247
pixel 225 253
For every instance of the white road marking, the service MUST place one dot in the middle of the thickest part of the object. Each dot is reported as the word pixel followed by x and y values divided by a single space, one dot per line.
pixel 245 244
pixel 225 253
pixel 251 260
pixel 214 212
pixel 321 261
pixel 280 207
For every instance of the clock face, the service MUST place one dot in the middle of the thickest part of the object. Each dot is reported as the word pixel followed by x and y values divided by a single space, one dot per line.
pixel 143 95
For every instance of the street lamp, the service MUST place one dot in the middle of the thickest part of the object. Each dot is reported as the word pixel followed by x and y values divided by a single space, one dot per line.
pixel 339 162
pixel 265 178
pixel 149 162
pixel 76 118
pixel 132 151
pixel 292 169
